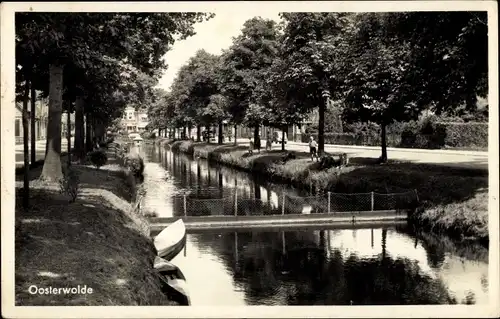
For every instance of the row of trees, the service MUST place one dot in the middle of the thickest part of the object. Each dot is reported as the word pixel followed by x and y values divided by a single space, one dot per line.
pixel 379 67
pixel 92 64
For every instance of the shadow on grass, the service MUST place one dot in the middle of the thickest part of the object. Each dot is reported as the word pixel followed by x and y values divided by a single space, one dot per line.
pixel 110 177
pixel 83 243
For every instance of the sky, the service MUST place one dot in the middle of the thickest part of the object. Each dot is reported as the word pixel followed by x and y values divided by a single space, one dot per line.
pixel 213 36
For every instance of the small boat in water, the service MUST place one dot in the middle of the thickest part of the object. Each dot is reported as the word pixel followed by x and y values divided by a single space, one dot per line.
pixel 174 281
pixel 170 241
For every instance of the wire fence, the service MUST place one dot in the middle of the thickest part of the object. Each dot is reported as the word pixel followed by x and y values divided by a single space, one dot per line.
pixel 211 202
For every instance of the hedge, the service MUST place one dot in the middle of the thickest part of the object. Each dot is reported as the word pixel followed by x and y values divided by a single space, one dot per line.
pixel 466 134
pixel 354 139
pixel 425 134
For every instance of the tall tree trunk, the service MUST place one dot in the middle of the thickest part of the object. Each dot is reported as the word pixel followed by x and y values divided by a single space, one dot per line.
pixel 383 158
pixel 26 179
pixel 94 135
pixel 207 128
pixel 52 170
pixel 256 137
pixel 88 133
pixel 198 133
pixel 221 135
pixel 68 133
pixel 256 133
pixel 98 130
pixel 283 129
pixel 235 134
pixel 184 132
pixel 257 193
pixel 33 125
pixel 384 243
pixel 321 127
pixel 221 184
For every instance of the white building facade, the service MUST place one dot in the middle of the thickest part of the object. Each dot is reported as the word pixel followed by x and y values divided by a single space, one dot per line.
pixel 134 121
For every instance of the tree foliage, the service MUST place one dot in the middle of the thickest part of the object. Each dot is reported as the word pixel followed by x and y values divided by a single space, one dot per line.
pixel 109 59
pixel 244 69
pixel 377 67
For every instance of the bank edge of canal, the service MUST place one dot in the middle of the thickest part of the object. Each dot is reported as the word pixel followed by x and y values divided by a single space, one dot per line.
pixel 100 241
pixel 453 202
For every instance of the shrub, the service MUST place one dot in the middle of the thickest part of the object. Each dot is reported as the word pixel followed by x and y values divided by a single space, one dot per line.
pixel 288 156
pixel 110 140
pixel 70 184
pixel 98 158
pixel 329 160
pixel 175 145
pixel 135 164
pixel 408 138
pixel 186 147
pixel 148 135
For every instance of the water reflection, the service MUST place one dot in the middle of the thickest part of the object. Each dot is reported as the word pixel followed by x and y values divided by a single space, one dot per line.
pixel 310 268
pixel 314 266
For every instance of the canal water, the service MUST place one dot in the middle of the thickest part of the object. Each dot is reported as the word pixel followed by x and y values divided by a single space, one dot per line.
pixel 313 266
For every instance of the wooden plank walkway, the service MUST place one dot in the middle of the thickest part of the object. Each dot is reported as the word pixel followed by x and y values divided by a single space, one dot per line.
pixel 357 219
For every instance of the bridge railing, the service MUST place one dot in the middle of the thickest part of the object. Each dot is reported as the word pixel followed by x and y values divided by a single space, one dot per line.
pixel 212 202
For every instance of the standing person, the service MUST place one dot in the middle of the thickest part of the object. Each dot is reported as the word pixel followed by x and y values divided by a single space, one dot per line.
pixel 313 149
pixel 250 146
pixel 269 142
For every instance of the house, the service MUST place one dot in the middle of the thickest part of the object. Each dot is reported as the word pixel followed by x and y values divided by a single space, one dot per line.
pixel 41 121
pixel 134 120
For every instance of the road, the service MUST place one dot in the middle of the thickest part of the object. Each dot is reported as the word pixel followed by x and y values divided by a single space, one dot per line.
pixel 40 151
pixel 452 158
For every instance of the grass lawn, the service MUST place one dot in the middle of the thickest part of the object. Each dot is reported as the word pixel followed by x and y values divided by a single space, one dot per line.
pixel 97 241
pixel 454 200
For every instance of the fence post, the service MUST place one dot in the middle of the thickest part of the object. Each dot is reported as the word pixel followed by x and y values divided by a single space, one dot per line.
pixel 373 201
pixel 236 203
pixel 329 193
pixel 185 206
pixel 283 205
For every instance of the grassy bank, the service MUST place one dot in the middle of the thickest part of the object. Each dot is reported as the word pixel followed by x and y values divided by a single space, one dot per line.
pixel 98 241
pixel 452 200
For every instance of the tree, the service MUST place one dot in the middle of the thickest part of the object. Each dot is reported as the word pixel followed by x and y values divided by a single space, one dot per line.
pixel 397 64
pixel 60 39
pixel 378 86
pixel 244 68
pixel 450 57
pixel 310 61
pixel 199 84
pixel 215 112
pixel 282 111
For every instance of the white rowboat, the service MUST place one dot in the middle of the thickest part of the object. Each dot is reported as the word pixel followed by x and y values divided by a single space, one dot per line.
pixel 170 241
